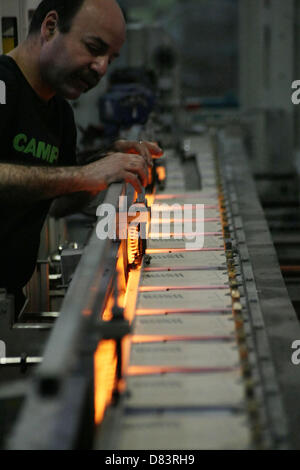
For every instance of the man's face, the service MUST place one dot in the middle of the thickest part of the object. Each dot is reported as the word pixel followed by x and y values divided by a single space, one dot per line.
pixel 75 62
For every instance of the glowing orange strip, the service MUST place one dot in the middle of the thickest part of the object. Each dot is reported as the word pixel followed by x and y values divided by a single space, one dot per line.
pixel 154 251
pixel 194 205
pixel 164 221
pixel 138 339
pixel 187 196
pixel 183 235
pixel 150 199
pixel 156 370
pixel 152 311
pixel 161 173
pixel 105 363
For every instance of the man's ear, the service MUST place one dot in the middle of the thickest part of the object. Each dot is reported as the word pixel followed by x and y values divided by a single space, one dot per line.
pixel 49 25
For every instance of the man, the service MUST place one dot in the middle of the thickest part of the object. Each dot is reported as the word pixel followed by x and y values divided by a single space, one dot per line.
pixel 67 52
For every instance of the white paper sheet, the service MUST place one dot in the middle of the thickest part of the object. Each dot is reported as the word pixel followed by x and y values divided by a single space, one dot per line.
pixel 196 354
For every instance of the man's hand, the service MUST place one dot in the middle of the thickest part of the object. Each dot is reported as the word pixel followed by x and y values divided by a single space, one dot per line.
pixel 148 150
pixel 115 167
pixel 20 184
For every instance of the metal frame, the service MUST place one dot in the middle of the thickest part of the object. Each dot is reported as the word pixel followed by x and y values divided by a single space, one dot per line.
pixel 53 416
pixel 272 321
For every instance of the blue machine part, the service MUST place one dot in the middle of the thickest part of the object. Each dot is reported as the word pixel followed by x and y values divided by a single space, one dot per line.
pixel 126 105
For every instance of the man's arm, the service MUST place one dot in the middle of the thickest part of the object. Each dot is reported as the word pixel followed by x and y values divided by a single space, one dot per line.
pixel 19 183
pixel 69 204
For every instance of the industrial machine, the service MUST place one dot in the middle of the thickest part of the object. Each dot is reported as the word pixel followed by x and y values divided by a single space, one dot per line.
pixel 162 344
pixel 166 324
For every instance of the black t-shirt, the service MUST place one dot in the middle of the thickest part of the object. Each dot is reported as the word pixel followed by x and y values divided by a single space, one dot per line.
pixel 32 132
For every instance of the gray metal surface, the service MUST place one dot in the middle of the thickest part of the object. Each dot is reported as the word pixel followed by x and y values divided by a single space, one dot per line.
pixel 273 322
pixel 90 275
pixel 269 322
pixel 60 396
pixel 174 333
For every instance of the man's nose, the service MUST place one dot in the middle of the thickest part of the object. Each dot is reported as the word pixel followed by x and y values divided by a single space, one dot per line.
pixel 100 65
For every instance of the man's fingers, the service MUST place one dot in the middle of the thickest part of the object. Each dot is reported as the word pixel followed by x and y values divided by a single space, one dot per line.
pixel 134 181
pixel 148 150
pixel 139 148
pixel 154 149
pixel 146 153
pixel 137 164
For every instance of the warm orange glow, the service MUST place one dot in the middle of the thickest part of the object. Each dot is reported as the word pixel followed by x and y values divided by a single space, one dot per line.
pixel 167 235
pixel 121 280
pixel 161 173
pixel 131 294
pixel 163 338
pixel 155 370
pixel 107 314
pixel 186 196
pixel 105 363
pixel 132 245
pixel 153 251
pixel 121 285
pixel 105 360
pixel 86 312
pixel 181 206
pixel 150 177
pixel 167 220
pixel 134 151
pixel 163 311
pixel 150 199
pixel 120 269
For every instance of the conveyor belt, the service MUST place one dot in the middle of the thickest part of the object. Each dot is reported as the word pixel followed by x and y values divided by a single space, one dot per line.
pixel 185 381
pixel 208 365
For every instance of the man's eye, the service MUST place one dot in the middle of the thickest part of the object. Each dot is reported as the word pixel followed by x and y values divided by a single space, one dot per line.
pixel 94 50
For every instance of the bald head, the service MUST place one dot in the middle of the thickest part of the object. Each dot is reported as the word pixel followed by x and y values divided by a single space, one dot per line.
pixel 67 10
pixel 108 14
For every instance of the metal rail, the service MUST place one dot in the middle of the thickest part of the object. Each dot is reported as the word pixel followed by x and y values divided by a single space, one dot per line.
pixel 62 386
pixel 271 320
